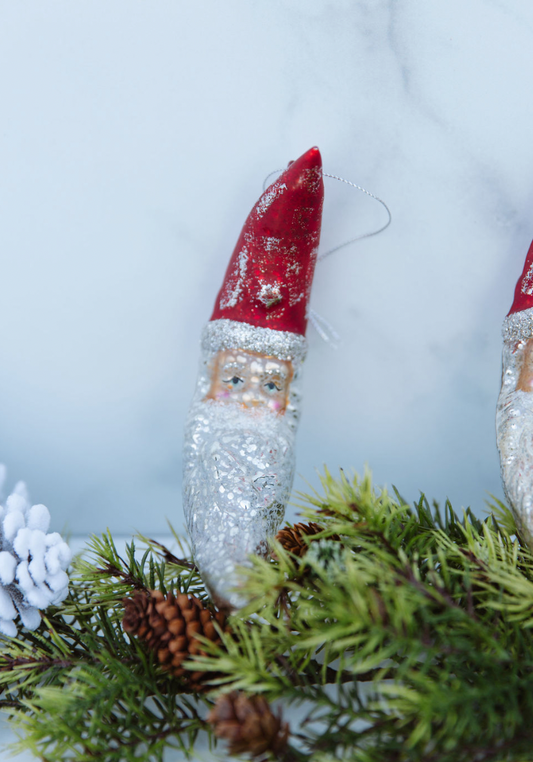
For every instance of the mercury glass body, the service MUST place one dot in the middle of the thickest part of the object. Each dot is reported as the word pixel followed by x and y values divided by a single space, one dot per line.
pixel 514 426
pixel 239 451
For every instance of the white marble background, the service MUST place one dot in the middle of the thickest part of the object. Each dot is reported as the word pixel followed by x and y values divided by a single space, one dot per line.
pixel 135 137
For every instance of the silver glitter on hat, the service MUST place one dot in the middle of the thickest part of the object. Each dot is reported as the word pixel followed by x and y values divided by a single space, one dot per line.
pixel 518 325
pixel 270 294
pixel 231 334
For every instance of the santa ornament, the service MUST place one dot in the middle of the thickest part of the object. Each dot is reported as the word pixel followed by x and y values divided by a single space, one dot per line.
pixel 240 432
pixel 514 417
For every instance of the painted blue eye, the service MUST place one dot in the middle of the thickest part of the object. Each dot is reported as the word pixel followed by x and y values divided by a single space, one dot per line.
pixel 271 387
pixel 235 382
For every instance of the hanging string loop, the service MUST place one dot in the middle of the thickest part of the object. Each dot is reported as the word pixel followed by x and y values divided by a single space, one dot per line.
pixel 324 329
pixel 363 235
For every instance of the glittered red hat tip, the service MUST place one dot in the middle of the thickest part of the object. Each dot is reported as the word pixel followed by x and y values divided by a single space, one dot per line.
pixel 523 294
pixel 270 273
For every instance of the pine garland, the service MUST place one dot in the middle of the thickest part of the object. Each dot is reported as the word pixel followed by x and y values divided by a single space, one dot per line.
pixel 390 632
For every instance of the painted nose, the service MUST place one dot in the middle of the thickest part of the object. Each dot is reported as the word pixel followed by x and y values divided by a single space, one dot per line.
pixel 252 400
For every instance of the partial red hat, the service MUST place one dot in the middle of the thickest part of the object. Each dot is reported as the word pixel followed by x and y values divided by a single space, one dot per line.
pixel 523 293
pixel 269 276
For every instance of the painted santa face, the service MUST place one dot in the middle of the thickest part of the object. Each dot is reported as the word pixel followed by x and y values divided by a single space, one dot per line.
pixel 250 379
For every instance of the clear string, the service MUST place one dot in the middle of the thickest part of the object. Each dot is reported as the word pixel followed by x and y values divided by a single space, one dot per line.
pixel 324 329
pixel 270 174
pixel 357 187
pixel 363 235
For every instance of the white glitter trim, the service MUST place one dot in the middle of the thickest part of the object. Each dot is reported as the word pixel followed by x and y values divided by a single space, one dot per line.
pixel 518 326
pixel 231 334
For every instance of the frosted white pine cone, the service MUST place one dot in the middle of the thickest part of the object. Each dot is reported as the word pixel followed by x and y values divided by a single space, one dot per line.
pixel 33 562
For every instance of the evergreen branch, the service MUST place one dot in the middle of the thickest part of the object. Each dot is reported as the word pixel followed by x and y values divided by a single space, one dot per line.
pixel 171 558
pixel 126 577
pixel 406 633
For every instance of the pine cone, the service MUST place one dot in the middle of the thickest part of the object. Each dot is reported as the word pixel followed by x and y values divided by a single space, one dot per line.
pixel 169 626
pixel 292 537
pixel 249 725
pixel 135 619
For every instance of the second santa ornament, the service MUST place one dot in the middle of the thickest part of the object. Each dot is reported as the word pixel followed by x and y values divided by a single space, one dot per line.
pixel 514 418
pixel 240 432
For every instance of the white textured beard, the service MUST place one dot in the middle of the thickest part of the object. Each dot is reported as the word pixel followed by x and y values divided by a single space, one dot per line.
pixel 514 432
pixel 238 474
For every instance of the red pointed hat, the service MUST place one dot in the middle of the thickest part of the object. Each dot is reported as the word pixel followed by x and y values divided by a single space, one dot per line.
pixel 518 325
pixel 523 294
pixel 269 276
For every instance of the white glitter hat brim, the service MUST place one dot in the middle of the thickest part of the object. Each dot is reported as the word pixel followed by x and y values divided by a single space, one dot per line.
pixel 231 334
pixel 518 326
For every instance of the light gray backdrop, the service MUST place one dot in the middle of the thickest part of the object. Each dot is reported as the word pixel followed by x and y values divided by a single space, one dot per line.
pixel 135 137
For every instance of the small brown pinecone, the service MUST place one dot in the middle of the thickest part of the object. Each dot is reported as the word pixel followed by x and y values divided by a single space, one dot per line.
pixel 135 619
pixel 248 724
pixel 292 537
pixel 169 626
